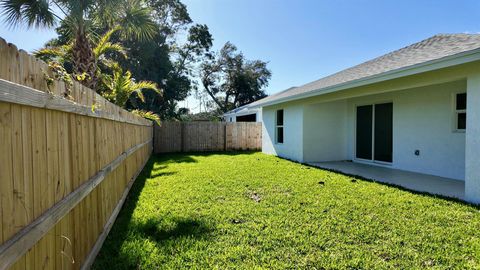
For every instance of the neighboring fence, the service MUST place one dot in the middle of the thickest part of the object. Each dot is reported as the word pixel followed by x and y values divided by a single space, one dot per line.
pixel 207 136
pixel 66 166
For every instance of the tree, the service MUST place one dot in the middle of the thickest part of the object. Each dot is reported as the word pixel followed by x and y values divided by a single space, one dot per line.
pixel 171 15
pixel 118 86
pixel 171 67
pixel 231 80
pixel 78 20
pixel 148 31
pixel 103 50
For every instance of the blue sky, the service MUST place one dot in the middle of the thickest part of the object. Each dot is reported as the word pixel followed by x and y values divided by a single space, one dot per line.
pixel 304 40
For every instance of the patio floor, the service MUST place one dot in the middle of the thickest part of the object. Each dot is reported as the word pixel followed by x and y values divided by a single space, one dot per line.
pixel 409 180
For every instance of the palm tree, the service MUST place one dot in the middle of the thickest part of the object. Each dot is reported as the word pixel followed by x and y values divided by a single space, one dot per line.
pixel 121 86
pixel 82 18
pixel 102 49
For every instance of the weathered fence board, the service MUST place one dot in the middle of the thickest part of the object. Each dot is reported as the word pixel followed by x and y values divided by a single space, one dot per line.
pixel 207 136
pixel 169 137
pixel 68 159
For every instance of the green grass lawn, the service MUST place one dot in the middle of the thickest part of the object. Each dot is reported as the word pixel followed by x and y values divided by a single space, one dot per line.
pixel 252 211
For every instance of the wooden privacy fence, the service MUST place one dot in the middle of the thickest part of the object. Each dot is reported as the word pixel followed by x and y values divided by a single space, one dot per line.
pixel 207 136
pixel 67 162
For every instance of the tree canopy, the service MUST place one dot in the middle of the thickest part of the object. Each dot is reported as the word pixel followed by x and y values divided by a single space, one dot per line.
pixel 80 21
pixel 231 80
pixel 145 55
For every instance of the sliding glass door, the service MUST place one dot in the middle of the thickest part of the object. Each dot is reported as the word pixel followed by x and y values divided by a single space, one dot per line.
pixel 374 132
pixel 364 132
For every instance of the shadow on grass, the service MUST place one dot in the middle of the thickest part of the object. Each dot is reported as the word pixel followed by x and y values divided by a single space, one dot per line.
pixel 163 160
pixel 158 173
pixel 188 157
pixel 173 158
pixel 119 232
pixel 111 256
pixel 159 230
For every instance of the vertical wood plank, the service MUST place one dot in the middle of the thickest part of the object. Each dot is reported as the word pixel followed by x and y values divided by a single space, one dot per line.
pixel 20 215
pixel 28 175
pixel 53 181
pixel 40 184
pixel 6 183
pixel 39 161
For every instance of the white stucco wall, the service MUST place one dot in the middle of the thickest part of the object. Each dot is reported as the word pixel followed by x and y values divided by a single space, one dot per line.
pixel 472 160
pixel 422 119
pixel 292 148
pixel 230 118
pixel 259 115
pixel 325 132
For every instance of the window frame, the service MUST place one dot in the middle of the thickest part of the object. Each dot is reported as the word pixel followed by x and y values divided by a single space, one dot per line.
pixel 277 126
pixel 457 112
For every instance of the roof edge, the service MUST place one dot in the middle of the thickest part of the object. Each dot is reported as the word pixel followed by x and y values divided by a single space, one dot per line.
pixel 448 61
pixel 240 112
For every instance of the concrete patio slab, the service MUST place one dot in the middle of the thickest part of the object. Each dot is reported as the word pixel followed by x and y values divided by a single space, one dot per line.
pixel 409 180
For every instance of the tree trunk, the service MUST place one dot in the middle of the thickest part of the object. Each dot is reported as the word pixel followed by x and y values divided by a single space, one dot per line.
pixel 84 60
pixel 222 107
pixel 235 100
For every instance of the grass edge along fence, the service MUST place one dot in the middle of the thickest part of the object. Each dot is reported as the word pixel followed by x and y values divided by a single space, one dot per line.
pixel 68 158
pixel 173 137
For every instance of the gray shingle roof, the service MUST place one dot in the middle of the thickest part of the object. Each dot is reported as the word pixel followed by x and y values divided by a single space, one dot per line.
pixel 433 48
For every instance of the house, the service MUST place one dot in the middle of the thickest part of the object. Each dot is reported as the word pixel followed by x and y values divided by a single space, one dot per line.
pixel 415 110
pixel 243 114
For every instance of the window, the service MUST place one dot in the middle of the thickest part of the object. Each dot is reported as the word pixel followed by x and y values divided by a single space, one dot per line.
pixel 279 126
pixel 461 111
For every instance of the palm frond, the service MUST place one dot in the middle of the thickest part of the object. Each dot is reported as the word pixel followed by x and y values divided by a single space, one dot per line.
pixel 138 22
pixel 147 115
pixel 105 46
pixel 111 64
pixel 140 94
pixel 137 87
pixel 146 85
pixel 49 52
pixel 121 86
pixel 107 36
pixel 109 47
pixel 60 54
pixel 106 13
pixel 32 13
